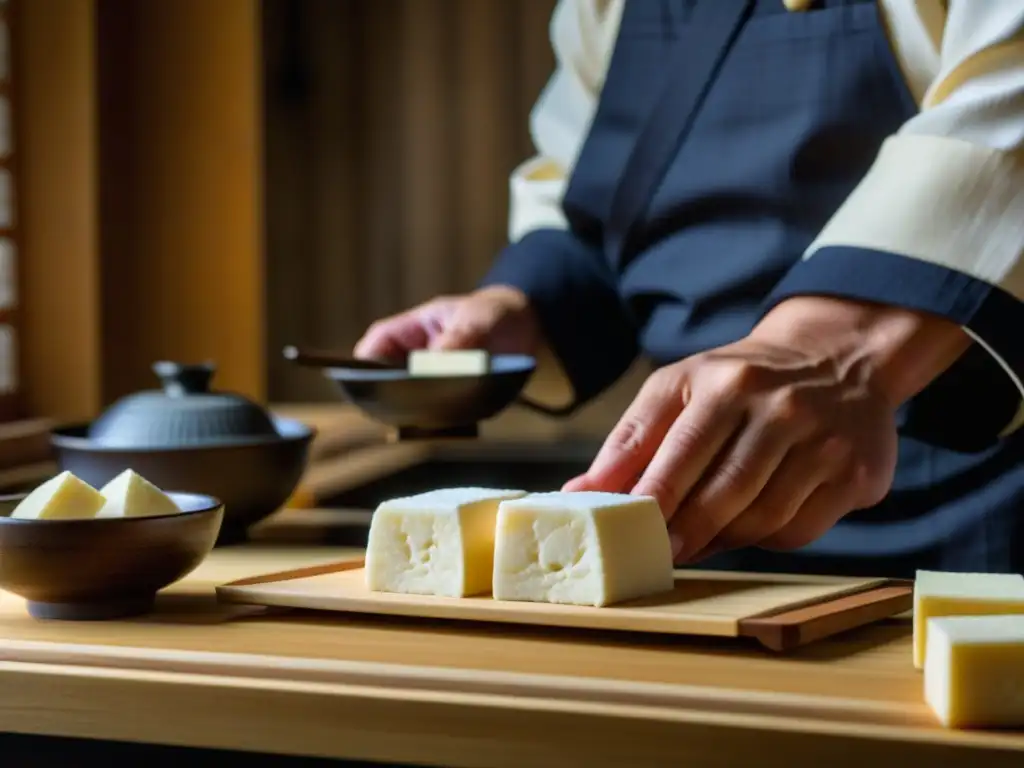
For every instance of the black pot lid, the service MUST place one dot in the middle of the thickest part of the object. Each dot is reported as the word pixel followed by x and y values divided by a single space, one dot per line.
pixel 185 413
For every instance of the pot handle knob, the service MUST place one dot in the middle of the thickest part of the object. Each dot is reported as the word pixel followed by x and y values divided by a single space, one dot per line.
pixel 181 380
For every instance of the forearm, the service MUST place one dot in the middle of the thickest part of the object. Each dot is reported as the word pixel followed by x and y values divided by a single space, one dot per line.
pixel 935 230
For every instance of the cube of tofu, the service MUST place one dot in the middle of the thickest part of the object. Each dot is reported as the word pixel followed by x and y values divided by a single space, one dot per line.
pixel 453 362
pixel 582 548
pixel 131 495
pixel 437 543
pixel 943 593
pixel 63 497
pixel 974 671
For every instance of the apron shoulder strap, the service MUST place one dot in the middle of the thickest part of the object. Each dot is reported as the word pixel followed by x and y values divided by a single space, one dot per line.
pixel 693 66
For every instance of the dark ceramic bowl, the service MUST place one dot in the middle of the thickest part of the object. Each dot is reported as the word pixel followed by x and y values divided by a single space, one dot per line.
pixel 439 404
pixel 103 569
pixel 254 477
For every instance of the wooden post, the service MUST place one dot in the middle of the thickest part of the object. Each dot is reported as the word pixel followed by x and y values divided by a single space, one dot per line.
pixel 141 184
pixel 181 190
pixel 56 128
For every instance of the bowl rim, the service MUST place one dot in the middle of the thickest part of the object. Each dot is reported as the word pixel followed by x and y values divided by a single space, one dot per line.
pixel 61 438
pixel 517 365
pixel 212 504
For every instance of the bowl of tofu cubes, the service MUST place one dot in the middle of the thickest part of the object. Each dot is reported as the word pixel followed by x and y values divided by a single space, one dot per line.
pixel 78 553
pixel 436 392
pixel 189 436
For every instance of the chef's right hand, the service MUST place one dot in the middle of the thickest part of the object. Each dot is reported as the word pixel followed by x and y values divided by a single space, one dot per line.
pixel 497 318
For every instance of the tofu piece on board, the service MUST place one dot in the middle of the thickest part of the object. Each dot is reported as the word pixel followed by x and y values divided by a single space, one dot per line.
pixel 437 543
pixel 63 497
pixel 974 671
pixel 131 495
pixel 453 362
pixel 943 593
pixel 581 548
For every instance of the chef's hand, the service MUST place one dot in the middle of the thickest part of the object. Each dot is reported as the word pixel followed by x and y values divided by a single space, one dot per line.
pixel 497 318
pixel 771 440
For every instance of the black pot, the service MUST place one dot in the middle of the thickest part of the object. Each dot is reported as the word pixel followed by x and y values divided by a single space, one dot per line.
pixel 190 439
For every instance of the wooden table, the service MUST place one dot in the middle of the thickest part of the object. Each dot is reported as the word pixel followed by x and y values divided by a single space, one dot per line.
pixel 204 675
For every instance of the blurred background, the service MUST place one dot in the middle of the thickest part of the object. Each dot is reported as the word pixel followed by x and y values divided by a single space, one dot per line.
pixel 196 180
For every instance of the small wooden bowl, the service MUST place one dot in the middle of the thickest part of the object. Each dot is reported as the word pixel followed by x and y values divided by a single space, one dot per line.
pixel 87 570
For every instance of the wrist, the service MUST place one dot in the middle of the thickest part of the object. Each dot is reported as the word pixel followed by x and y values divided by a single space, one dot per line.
pixel 900 350
pixel 549 385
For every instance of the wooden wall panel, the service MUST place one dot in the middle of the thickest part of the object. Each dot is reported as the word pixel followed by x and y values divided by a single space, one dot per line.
pixel 56 126
pixel 489 123
pixel 429 156
pixel 141 196
pixel 181 190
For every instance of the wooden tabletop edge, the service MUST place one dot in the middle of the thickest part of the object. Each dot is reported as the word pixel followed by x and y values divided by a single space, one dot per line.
pixel 400 680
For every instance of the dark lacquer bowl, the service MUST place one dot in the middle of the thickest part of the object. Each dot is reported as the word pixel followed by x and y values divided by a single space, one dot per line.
pixel 92 569
pixel 254 477
pixel 395 398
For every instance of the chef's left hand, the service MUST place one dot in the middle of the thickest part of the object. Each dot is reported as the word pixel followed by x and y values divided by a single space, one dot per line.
pixel 771 440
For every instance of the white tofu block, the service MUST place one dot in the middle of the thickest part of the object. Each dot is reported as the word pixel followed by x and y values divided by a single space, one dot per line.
pixel 454 362
pixel 437 543
pixel 131 495
pixel 583 548
pixel 943 593
pixel 974 671
pixel 63 497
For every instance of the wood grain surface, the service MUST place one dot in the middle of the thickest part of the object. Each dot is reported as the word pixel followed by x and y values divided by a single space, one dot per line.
pixel 201 673
pixel 702 603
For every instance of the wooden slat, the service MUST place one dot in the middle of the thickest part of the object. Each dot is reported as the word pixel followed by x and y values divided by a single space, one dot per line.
pixel 288 167
pixel 384 237
pixel 60 259
pixel 790 628
pixel 403 677
pixel 484 136
pixel 181 216
pixel 428 162
pixel 334 144
pixel 409 727
pixel 535 62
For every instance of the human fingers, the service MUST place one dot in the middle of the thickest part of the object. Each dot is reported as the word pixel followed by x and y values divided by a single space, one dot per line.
pixel 804 468
pixel 732 482
pixel 393 337
pixel 478 317
pixel 688 449
pixel 634 440
pixel 829 503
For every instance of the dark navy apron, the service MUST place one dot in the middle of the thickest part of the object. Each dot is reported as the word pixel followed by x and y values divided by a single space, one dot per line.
pixel 727 134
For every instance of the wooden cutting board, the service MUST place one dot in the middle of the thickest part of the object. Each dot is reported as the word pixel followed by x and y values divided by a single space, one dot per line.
pixel 779 611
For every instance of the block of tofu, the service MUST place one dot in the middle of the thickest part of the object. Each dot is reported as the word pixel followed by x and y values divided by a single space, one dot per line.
pixel 131 495
pixel 63 497
pixel 974 671
pixel 454 362
pixel 437 543
pixel 582 548
pixel 942 593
